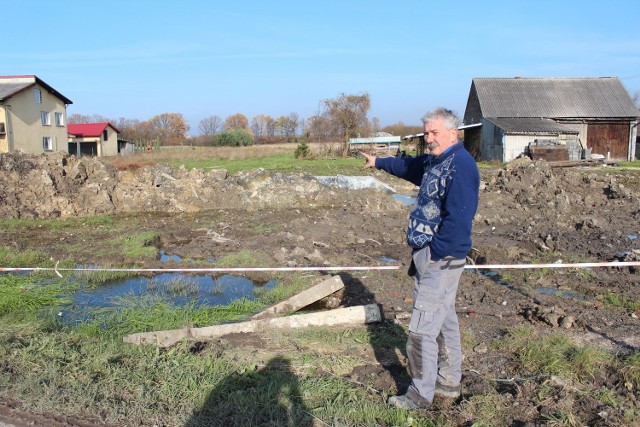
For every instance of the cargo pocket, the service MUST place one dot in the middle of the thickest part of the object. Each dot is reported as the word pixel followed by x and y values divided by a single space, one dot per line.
pixel 421 324
pixel 422 318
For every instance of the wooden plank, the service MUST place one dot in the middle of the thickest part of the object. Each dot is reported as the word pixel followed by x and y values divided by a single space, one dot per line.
pixel 584 162
pixel 303 299
pixel 358 315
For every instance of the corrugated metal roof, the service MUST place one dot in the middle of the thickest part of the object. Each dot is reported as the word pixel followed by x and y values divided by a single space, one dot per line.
pixel 603 97
pixel 375 140
pixel 530 125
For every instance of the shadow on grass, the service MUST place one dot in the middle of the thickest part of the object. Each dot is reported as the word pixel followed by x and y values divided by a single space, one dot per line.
pixel 267 396
pixel 388 339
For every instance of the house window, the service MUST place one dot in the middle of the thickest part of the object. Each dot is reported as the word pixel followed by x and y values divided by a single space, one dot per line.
pixel 105 135
pixel 47 143
pixel 45 117
pixel 37 94
pixel 59 119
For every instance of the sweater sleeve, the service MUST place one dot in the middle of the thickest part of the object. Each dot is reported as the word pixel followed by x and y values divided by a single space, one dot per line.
pixel 408 168
pixel 461 203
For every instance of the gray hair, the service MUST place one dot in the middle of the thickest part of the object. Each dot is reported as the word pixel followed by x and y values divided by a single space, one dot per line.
pixel 449 118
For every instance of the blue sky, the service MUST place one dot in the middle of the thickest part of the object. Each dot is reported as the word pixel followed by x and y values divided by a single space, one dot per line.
pixel 139 58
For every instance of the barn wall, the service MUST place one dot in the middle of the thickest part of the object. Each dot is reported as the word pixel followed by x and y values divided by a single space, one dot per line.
pixel 473 112
pixel 491 148
pixel 473 141
pixel 516 145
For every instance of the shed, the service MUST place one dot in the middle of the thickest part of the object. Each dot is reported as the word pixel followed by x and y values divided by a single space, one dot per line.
pixel 93 139
pixel 504 116
pixel 379 141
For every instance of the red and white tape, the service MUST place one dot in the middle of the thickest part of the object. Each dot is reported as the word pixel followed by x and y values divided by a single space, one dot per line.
pixel 335 268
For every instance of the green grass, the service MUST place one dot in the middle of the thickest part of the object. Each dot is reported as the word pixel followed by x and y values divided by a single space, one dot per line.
pixel 279 163
pixel 11 257
pixel 632 164
pixel 55 224
pixel 21 295
pixel 630 371
pixel 554 354
pixel 621 301
pixel 141 245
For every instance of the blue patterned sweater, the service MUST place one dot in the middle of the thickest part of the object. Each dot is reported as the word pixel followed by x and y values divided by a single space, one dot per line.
pixel 447 200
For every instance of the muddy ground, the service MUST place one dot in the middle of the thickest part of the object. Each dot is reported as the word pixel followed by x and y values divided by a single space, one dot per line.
pixel 529 213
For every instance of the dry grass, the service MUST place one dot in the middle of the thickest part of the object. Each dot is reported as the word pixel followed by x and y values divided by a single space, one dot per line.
pixel 139 160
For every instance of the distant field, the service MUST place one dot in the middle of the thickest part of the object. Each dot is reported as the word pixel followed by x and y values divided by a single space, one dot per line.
pixel 324 159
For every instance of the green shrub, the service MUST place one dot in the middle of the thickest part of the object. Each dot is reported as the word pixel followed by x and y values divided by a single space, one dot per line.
pixel 235 138
pixel 302 150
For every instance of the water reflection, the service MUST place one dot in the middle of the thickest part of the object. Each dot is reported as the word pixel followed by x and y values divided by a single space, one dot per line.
pixel 178 289
pixel 405 199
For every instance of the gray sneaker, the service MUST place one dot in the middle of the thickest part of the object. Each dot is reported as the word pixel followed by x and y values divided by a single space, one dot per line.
pixel 409 400
pixel 452 392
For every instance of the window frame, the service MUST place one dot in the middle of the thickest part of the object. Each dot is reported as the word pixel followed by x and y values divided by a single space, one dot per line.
pixel 37 95
pixel 59 118
pixel 45 118
pixel 47 143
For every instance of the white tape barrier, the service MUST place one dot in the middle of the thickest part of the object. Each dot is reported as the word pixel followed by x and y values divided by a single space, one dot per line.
pixel 337 268
pixel 554 265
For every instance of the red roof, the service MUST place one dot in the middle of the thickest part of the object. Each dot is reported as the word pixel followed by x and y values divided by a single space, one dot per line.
pixel 89 129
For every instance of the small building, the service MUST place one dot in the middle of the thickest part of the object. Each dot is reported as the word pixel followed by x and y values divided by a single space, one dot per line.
pixel 380 141
pixel 93 139
pixel 506 117
pixel 33 115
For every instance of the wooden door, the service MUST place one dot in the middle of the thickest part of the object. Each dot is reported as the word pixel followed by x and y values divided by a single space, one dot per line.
pixel 609 138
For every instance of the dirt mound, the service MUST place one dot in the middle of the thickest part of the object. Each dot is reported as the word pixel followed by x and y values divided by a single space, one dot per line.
pixel 61 185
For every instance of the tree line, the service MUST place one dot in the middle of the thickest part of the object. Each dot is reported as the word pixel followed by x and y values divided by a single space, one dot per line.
pixel 340 118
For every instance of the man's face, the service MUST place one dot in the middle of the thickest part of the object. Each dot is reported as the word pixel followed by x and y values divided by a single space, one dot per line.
pixel 438 138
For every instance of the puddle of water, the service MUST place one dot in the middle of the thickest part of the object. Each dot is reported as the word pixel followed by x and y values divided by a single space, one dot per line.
pixel 632 236
pixel 164 257
pixel 387 259
pixel 569 294
pixel 495 277
pixel 175 288
pixel 405 199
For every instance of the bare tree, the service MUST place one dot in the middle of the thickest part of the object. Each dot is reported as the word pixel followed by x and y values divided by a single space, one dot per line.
pixel 289 124
pixel 271 127
pixel 236 121
pixel 76 119
pixel 259 125
pixel 317 127
pixel 129 128
pixel 209 126
pixel 347 114
pixel 170 128
pixel 375 125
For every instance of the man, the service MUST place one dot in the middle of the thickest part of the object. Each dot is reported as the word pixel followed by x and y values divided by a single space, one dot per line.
pixel 439 234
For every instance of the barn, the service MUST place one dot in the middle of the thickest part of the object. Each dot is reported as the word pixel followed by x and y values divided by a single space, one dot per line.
pixel 576 117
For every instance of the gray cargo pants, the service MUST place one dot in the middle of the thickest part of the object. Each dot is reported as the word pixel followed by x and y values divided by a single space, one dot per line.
pixel 433 346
